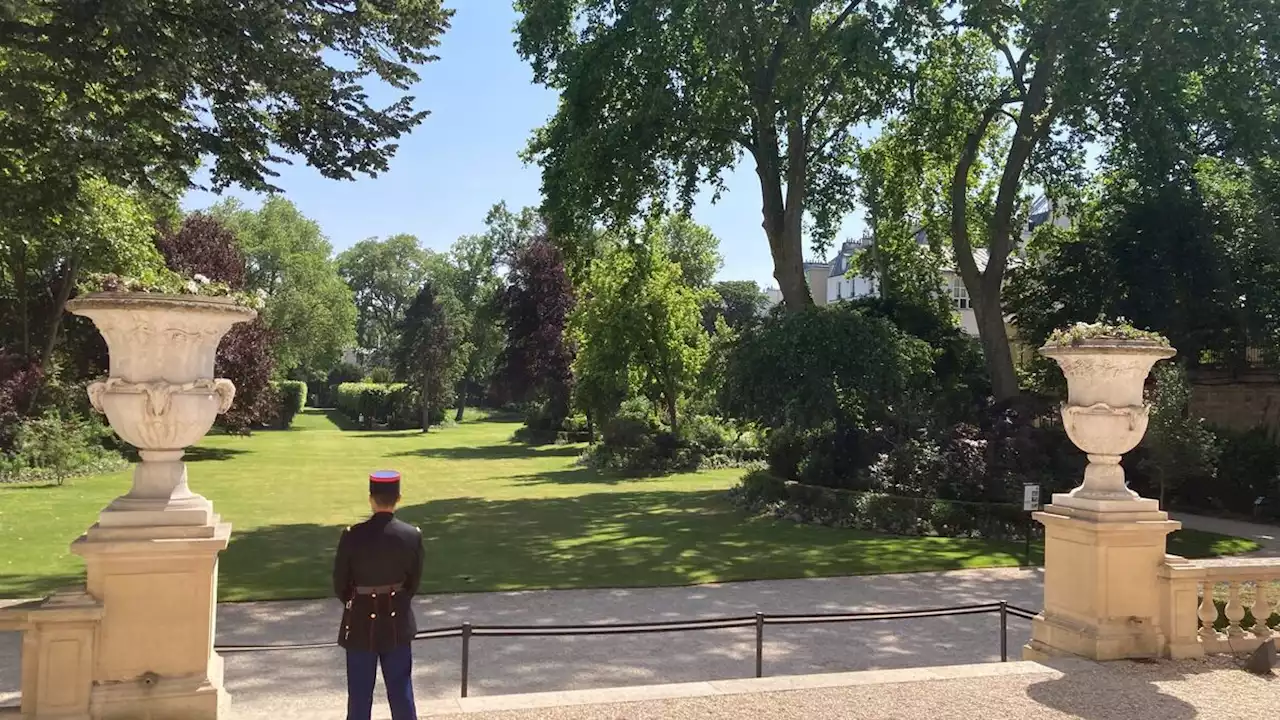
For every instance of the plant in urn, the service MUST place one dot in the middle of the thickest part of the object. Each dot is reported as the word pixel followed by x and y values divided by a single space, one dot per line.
pixel 161 395
pixel 1106 366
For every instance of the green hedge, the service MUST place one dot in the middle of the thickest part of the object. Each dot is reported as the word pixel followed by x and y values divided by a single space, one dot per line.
pixel 370 403
pixel 761 491
pixel 293 397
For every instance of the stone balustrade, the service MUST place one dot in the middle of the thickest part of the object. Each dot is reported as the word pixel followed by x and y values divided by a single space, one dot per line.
pixel 1192 591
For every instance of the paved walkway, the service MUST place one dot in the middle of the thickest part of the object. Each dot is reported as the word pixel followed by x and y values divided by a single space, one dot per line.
pixel 304 683
pixel 1268 536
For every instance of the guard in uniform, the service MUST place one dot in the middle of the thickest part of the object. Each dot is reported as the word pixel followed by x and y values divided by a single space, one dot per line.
pixel 376 574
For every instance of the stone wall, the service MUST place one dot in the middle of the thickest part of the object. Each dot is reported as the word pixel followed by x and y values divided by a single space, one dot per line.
pixel 1239 402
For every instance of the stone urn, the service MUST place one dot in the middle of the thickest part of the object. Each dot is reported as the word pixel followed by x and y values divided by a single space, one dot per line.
pixel 1105 416
pixel 160 395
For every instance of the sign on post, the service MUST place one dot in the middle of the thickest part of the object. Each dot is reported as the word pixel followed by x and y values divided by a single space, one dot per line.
pixel 1030 497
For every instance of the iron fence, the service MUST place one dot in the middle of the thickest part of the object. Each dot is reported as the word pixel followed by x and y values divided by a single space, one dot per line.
pixel 467 631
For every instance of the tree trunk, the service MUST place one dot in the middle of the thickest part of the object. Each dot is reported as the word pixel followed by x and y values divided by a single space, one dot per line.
pixel 781 220
pixel 18 265
pixel 426 407
pixel 462 400
pixel 55 324
pixel 994 337
pixel 671 411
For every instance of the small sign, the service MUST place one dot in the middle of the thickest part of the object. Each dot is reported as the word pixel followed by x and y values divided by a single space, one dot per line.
pixel 1030 497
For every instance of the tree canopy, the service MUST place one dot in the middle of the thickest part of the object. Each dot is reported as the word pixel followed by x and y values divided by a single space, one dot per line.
pixel 385 276
pixel 309 307
pixel 658 98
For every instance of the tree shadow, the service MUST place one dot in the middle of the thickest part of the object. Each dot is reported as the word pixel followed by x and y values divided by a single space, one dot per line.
pixel 581 476
pixel 1131 685
pixel 201 454
pixel 493 452
pixel 607 539
pixel 33 586
pixel 340 419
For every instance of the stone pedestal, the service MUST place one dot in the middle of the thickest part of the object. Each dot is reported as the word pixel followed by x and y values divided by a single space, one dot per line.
pixel 152 558
pixel 155 654
pixel 1102 591
pixel 1104 545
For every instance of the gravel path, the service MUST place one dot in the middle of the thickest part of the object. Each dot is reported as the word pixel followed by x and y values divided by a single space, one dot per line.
pixel 1214 689
pixel 279 684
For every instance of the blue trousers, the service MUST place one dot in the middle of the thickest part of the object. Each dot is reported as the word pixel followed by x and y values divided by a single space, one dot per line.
pixel 397 675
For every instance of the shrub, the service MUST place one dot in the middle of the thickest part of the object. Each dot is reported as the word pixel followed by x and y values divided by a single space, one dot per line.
pixel 762 491
pixel 293 397
pixel 634 442
pixel 53 448
pixel 760 487
pixel 380 375
pixel 1248 466
pixel 19 380
pixel 706 432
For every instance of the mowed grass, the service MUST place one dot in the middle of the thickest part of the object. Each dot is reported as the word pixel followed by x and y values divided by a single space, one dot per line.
pixel 496 515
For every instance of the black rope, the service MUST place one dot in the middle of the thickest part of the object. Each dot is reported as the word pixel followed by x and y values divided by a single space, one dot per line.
pixel 724 623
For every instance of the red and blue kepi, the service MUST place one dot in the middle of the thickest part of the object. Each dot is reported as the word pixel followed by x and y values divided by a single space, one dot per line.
pixel 384 481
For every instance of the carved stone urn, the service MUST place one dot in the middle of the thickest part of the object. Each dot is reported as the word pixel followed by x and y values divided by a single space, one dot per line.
pixel 160 394
pixel 1105 415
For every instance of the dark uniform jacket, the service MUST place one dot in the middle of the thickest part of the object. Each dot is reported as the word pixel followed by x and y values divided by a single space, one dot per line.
pixel 379 552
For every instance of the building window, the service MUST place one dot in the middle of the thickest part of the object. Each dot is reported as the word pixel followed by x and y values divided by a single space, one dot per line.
pixel 959 293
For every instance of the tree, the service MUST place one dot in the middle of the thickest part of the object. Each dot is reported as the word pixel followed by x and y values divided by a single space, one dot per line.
pixel 1196 258
pixel 428 353
pixel 693 248
pixel 243 83
pixel 1006 92
pixel 108 229
pixel 638 327
pixel 663 96
pixel 535 362
pixel 740 303
pixel 203 245
pixel 309 307
pixel 384 276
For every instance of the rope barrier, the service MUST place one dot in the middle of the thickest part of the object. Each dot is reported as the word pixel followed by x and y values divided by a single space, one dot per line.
pixel 721 623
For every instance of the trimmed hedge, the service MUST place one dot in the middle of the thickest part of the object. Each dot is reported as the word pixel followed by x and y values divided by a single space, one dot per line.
pixel 763 492
pixel 293 397
pixel 369 403
pixel 394 405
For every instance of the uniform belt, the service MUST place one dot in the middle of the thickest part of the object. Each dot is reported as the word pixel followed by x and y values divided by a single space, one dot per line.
pixel 375 589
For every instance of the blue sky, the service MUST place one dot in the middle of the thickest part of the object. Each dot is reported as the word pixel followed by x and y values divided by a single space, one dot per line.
pixel 463 158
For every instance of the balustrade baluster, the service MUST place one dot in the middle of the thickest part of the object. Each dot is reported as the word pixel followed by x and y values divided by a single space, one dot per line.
pixel 1234 610
pixel 1261 609
pixel 1208 612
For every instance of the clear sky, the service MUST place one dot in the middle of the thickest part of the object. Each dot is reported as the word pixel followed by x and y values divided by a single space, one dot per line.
pixel 463 158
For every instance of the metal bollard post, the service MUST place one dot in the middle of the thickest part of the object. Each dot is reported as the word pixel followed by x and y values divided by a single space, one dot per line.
pixel 759 644
pixel 466 656
pixel 1004 631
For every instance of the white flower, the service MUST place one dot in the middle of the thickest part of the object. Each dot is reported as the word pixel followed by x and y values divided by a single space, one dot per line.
pixel 193 287
pixel 201 279
pixel 262 295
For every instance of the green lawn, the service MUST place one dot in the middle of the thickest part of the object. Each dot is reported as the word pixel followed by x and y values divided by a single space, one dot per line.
pixel 496 515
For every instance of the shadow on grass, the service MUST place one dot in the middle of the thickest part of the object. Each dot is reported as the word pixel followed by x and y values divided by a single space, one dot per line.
pixel 34 586
pixel 340 419
pixel 581 476
pixel 201 454
pixel 493 452
pixel 621 539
